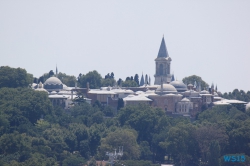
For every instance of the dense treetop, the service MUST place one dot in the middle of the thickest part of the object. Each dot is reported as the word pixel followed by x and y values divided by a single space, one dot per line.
pixel 193 78
pixel 14 77
pixel 33 132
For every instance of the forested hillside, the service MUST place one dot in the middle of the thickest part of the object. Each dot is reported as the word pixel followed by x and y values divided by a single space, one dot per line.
pixel 32 132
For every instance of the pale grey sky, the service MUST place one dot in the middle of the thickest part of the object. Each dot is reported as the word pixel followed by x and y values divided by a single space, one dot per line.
pixel 210 39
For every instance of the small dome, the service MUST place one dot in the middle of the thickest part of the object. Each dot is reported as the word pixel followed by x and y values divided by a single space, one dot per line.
pixel 179 85
pixel 167 88
pixel 185 100
pixel 204 92
pixel 190 84
pixel 41 90
pixel 53 92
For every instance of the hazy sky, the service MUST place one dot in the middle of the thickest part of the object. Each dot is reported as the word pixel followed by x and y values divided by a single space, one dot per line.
pixel 209 38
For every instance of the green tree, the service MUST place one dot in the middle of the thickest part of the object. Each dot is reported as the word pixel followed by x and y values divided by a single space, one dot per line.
pixel 193 78
pixel 136 79
pixel 68 80
pixel 129 83
pixel 238 95
pixel 146 154
pixel 214 154
pixel 108 82
pixel 14 77
pixel 23 103
pixel 93 78
pixel 120 104
pixel 118 138
pixel 51 73
pixel 206 134
pixel 181 144
pixel 73 160
pixel 119 82
pixel 142 118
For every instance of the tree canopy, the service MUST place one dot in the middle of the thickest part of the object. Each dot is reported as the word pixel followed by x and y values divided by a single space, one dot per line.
pixel 93 78
pixel 193 78
pixel 14 77
pixel 33 132
pixel 68 80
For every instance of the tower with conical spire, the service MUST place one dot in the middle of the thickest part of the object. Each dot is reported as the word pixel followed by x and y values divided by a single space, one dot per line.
pixel 162 64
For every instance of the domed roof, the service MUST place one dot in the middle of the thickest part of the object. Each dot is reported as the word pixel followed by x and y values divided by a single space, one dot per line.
pixel 167 88
pixel 53 81
pixel 185 100
pixel 179 85
pixel 53 92
pixel 204 92
pixel 41 90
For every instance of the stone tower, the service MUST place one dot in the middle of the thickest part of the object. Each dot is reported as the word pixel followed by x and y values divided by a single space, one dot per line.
pixel 162 64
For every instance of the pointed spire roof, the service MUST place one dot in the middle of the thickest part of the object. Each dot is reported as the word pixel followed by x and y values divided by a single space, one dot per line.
pixel 172 79
pixel 142 80
pixel 146 79
pixel 163 52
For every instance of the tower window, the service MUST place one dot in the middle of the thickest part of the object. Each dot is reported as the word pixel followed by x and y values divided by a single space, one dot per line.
pixel 161 69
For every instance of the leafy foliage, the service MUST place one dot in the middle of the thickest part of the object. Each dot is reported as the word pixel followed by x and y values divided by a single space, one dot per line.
pixel 68 80
pixel 238 95
pixel 14 77
pixel 33 132
pixel 93 78
pixel 193 78
pixel 129 83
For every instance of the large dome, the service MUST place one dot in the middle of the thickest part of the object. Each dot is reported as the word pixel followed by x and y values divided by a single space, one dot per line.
pixel 167 88
pixel 53 83
pixel 179 85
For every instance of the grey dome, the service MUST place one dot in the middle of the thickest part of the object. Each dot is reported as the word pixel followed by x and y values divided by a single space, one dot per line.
pixel 167 88
pixel 204 92
pixel 185 100
pixel 179 85
pixel 41 90
pixel 53 83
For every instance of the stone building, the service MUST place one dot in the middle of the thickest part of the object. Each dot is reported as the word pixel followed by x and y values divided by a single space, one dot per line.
pixel 171 95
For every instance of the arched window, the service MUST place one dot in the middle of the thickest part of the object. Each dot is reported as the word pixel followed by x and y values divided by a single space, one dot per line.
pixel 161 69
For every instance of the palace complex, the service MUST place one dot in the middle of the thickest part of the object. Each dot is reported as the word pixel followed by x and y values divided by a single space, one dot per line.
pixel 173 96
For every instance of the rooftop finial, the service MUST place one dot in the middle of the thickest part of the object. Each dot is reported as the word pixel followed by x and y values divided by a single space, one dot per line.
pixel 56 71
